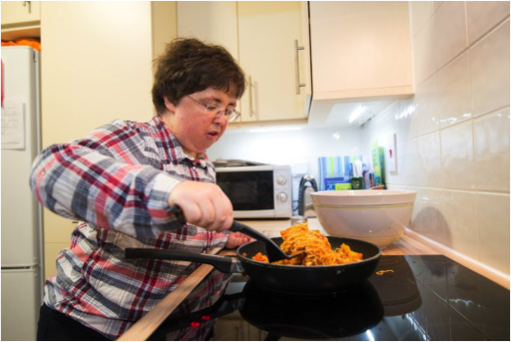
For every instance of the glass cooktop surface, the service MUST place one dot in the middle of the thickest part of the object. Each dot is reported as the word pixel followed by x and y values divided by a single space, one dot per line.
pixel 421 297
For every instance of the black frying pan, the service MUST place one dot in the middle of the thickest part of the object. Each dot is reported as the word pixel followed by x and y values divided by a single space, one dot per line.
pixel 311 280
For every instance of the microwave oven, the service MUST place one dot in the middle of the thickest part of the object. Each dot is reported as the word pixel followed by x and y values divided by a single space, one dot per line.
pixel 257 191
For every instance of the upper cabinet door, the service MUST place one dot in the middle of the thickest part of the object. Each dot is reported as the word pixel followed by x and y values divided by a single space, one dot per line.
pixel 360 49
pixel 20 12
pixel 271 36
pixel 96 66
pixel 210 21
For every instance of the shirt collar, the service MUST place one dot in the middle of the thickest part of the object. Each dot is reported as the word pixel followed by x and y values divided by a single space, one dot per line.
pixel 170 142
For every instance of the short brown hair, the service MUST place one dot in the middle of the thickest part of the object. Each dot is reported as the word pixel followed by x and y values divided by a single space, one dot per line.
pixel 189 65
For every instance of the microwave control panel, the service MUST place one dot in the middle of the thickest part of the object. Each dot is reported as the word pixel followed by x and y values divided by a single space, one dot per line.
pixel 282 188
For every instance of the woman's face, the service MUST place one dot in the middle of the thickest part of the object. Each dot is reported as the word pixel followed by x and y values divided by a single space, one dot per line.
pixel 195 128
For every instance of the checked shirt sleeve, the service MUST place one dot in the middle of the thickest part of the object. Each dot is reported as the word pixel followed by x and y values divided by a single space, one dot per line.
pixel 106 179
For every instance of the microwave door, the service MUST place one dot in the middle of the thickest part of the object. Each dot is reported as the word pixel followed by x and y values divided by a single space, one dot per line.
pixel 251 193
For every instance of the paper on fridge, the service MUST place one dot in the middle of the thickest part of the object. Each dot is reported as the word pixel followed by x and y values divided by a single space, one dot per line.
pixel 13 124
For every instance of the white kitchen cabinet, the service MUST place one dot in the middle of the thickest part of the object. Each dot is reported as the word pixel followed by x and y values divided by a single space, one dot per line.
pixel 360 49
pixel 210 21
pixel 96 66
pixel 20 12
pixel 21 19
pixel 269 35
pixel 263 37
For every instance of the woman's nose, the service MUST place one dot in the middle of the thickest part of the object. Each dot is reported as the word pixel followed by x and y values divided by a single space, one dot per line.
pixel 221 119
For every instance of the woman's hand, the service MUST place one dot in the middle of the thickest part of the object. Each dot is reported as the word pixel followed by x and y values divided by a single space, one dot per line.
pixel 203 204
pixel 237 239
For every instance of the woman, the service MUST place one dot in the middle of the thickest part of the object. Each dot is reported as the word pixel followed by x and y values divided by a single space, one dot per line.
pixel 120 181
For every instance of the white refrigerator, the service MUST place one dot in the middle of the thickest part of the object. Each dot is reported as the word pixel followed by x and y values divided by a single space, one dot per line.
pixel 21 216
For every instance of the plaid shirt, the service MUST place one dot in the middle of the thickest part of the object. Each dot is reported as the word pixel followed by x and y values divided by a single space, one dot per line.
pixel 117 181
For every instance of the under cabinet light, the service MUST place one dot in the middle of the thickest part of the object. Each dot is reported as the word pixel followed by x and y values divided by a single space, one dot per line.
pixel 356 113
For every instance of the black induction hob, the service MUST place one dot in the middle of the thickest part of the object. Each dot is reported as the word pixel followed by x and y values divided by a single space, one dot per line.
pixel 425 297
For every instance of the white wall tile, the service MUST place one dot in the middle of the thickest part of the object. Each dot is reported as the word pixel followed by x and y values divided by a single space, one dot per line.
pixel 491 146
pixel 429 161
pixel 489 70
pixel 482 16
pixel 407 120
pixel 390 122
pixel 424 53
pixel 493 221
pixel 450 35
pixel 454 97
pixel 426 106
pixel 420 13
pixel 460 212
pixel 407 163
pixel 458 171
pixel 414 222
pixel 432 221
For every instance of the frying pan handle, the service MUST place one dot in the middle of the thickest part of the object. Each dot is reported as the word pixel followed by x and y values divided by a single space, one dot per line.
pixel 223 264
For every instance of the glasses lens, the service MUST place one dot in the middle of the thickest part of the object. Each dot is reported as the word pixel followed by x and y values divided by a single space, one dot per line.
pixel 233 116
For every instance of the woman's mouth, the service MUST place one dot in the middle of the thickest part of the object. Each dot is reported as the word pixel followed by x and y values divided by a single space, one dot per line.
pixel 213 135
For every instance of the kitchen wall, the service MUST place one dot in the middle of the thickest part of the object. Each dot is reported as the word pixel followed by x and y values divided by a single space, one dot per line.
pixel 453 136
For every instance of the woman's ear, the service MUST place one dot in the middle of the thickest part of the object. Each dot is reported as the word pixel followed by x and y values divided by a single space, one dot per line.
pixel 170 106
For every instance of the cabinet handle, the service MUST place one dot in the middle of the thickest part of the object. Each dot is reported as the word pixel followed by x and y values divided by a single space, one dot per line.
pixel 29 5
pixel 298 84
pixel 250 107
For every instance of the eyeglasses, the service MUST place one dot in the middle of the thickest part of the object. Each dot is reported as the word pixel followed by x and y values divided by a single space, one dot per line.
pixel 231 114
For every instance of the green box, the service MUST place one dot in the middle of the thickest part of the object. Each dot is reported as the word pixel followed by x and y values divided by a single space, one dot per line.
pixel 357 183
pixel 342 186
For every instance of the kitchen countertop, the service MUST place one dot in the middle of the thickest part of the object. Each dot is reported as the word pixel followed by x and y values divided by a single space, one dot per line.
pixel 409 243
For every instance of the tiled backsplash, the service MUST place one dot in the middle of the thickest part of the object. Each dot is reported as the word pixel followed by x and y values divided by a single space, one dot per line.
pixel 453 136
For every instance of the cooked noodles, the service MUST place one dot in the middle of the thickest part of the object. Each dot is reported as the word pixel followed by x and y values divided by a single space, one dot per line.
pixel 313 247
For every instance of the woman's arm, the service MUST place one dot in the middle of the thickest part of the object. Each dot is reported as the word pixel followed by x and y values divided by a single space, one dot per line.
pixel 102 179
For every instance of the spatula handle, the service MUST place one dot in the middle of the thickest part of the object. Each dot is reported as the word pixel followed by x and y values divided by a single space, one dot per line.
pixel 222 263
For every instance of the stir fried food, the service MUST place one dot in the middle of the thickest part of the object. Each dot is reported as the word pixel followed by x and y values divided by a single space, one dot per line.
pixel 313 247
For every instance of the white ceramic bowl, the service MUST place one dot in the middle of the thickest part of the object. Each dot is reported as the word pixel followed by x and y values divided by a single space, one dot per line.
pixel 376 216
